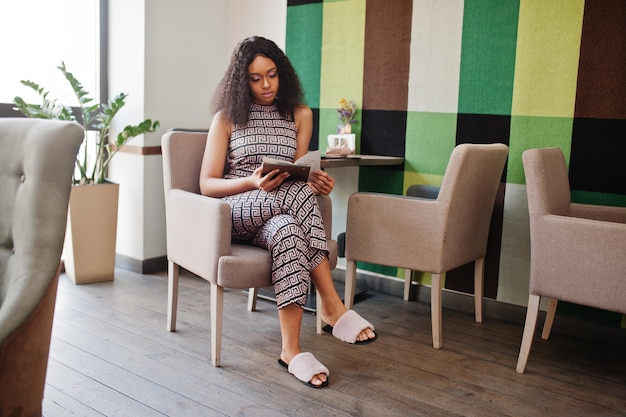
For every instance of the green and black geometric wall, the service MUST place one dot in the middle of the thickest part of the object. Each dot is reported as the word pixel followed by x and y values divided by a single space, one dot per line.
pixel 430 74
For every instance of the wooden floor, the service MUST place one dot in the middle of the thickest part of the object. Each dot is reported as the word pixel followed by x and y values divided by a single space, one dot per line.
pixel 111 356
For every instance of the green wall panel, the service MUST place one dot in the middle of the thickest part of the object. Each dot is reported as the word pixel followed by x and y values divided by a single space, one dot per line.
pixel 488 56
pixel 603 199
pixel 536 132
pixel 382 179
pixel 304 47
pixel 430 139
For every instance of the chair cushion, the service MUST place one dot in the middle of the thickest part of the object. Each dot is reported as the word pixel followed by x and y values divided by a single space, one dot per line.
pixel 247 266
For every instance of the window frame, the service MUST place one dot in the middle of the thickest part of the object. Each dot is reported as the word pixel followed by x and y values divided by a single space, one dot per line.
pixel 6 109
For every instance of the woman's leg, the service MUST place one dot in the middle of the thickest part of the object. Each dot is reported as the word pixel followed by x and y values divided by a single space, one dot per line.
pixel 332 306
pixel 290 318
pixel 284 238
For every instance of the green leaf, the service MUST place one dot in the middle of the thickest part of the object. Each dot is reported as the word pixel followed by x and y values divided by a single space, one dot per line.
pixel 95 115
pixel 47 110
pixel 130 132
pixel 80 94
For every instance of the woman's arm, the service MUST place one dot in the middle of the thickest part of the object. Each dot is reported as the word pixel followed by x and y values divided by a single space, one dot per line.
pixel 211 182
pixel 320 182
pixel 304 128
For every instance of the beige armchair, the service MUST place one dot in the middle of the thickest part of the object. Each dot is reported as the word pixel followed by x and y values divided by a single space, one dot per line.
pixel 198 236
pixel 577 251
pixel 36 166
pixel 430 235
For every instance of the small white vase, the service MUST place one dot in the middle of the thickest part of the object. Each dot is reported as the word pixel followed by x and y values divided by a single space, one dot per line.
pixel 344 129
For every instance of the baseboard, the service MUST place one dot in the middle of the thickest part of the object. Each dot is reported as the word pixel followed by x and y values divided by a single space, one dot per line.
pixel 142 266
pixel 492 309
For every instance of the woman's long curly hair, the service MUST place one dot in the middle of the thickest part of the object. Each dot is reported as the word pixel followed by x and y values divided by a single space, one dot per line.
pixel 233 97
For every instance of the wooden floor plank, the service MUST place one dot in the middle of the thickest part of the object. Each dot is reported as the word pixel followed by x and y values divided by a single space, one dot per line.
pixel 140 371
pixel 112 355
pixel 58 404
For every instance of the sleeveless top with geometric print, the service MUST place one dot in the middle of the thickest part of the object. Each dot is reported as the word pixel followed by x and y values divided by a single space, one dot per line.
pixel 287 220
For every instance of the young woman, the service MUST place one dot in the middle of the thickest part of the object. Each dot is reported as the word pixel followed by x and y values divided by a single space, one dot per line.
pixel 259 112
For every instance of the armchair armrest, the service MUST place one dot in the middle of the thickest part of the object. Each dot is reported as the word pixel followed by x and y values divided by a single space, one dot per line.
pixel 198 231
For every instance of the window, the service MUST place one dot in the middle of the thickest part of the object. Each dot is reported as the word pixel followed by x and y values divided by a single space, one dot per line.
pixel 37 35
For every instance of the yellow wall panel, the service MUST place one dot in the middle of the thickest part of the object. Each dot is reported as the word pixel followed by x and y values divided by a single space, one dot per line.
pixel 549 34
pixel 343 43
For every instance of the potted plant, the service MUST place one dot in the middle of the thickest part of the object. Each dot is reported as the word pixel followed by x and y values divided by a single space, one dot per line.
pixel 89 254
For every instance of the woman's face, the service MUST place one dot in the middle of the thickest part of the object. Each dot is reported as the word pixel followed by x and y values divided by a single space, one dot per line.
pixel 263 80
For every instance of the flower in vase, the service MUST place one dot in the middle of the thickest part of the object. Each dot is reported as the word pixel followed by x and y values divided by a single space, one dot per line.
pixel 346 112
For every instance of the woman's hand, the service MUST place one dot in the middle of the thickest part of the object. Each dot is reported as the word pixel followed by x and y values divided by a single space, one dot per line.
pixel 270 181
pixel 321 182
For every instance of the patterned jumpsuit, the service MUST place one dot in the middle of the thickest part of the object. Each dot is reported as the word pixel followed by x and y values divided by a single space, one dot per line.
pixel 287 220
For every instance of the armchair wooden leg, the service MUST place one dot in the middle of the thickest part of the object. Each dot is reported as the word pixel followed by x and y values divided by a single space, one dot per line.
pixel 350 284
pixel 547 325
pixel 318 314
pixel 252 297
pixel 408 276
pixel 479 273
pixel 435 310
pixel 529 330
pixel 217 318
pixel 172 295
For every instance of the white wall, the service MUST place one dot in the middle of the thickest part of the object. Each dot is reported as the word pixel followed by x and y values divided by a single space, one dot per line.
pixel 267 18
pixel 169 56
pixel 127 63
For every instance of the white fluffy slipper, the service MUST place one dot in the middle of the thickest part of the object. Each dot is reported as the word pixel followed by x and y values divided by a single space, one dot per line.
pixel 305 366
pixel 349 326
